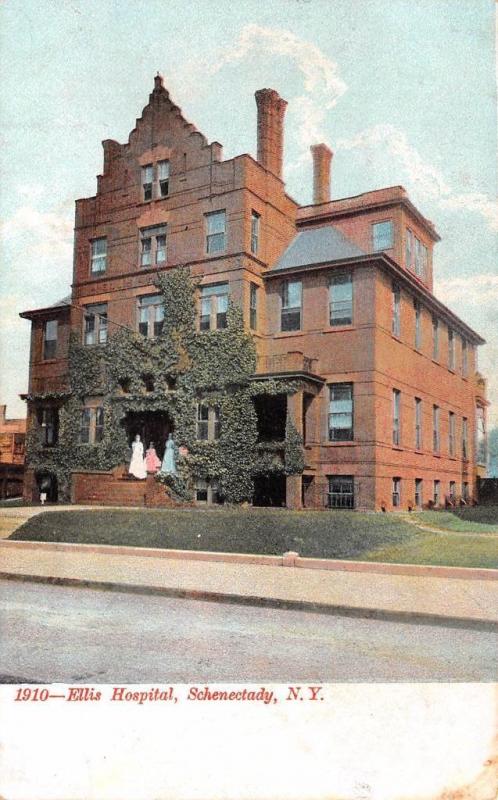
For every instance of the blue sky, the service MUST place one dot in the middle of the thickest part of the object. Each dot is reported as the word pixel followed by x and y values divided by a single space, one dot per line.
pixel 403 91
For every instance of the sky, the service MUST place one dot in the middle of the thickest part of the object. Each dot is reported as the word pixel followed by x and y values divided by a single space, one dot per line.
pixel 403 91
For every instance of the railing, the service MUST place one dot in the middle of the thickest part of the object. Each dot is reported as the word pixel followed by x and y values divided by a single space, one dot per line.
pixel 294 361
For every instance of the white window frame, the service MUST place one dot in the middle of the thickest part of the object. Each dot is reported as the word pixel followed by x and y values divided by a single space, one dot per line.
pixel 95 427
pixel 382 241
pixel 216 231
pixel 150 315
pixel 396 493
pixel 97 311
pixel 396 418
pixel 153 252
pixel 341 307
pixel 451 433
pixel 291 312
pixel 418 424
pixel 208 422
pixel 255 229
pixel 98 260
pixel 213 306
pixel 436 435
pixel 253 306
pixel 338 411
pixel 49 350
pixel 396 311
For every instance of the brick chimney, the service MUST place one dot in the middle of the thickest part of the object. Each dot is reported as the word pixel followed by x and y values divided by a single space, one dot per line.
pixel 271 112
pixel 322 156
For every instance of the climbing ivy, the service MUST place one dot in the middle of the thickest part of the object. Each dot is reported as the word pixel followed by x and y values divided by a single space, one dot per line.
pixel 170 374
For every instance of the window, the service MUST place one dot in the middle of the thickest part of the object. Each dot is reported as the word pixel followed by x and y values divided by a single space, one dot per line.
pixel 216 232
pixel 452 494
pixel 437 492
pixel 341 412
pixel 207 492
pixel 50 339
pixel 382 233
pixel 465 363
pixel 163 177
pixel 49 422
pixel 424 261
pixel 396 416
pixel 409 248
pixel 451 349
pixel 208 422
pixel 396 492
pixel 419 496
pixel 435 338
pixel 481 448
pixel 435 429
pixel 341 491
pixel 253 306
pixel 99 255
pixel 150 315
pixel 396 311
pixel 465 446
pixel 418 423
pixel 19 442
pixel 451 433
pixel 91 425
pixel 465 491
pixel 418 324
pixel 290 319
pixel 153 245
pixel 214 307
pixel 147 180
pixel 255 218
pixel 95 325
pixel 341 299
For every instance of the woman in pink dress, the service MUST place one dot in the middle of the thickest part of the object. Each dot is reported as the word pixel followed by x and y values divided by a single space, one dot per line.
pixel 152 462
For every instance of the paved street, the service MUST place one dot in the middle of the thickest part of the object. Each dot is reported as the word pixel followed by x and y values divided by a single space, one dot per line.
pixel 57 633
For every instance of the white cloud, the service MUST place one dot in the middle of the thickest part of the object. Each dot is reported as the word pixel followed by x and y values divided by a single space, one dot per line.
pixel 478 290
pixel 423 179
pixel 42 233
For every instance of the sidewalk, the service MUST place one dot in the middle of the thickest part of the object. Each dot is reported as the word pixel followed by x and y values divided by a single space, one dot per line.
pixel 358 590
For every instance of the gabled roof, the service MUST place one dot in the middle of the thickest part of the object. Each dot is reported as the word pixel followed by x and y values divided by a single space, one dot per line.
pixel 316 245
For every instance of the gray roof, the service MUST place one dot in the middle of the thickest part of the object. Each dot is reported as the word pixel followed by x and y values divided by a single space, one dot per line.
pixel 317 245
pixel 66 301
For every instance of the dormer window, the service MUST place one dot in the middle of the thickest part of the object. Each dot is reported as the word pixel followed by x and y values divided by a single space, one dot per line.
pixel 382 235
pixel 147 181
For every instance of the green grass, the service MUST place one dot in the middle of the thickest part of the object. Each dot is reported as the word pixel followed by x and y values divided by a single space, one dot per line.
pixel 479 519
pixel 341 534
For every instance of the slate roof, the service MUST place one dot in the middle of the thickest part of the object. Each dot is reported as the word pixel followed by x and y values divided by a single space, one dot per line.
pixel 316 245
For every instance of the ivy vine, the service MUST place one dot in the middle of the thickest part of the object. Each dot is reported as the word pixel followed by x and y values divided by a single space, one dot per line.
pixel 170 374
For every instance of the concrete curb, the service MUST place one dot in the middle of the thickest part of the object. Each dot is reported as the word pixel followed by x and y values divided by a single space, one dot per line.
pixel 286 560
pixel 386 615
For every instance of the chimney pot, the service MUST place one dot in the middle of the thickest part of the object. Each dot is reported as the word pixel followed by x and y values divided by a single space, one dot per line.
pixel 271 112
pixel 322 156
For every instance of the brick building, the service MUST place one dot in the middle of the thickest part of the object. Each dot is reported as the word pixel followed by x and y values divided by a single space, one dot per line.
pixel 12 445
pixel 337 296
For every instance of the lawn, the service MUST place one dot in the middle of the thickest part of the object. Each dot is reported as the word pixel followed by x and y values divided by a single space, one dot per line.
pixel 341 534
pixel 478 519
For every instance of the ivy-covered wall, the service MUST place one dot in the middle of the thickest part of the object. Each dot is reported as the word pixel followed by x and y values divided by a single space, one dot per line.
pixel 181 366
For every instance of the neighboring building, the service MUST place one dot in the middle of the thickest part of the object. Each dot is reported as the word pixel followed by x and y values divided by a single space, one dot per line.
pixel 363 393
pixel 12 446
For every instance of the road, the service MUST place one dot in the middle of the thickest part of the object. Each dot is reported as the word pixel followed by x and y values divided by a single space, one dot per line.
pixel 80 635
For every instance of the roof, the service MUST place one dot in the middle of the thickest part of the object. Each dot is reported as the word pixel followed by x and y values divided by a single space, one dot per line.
pixel 316 245
pixel 64 303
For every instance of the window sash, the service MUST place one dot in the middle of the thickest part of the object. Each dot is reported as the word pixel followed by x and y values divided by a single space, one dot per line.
pixel 418 492
pixel 161 248
pixel 50 339
pixel 465 451
pixel 146 255
pixel 396 416
pixel 147 181
pixel 435 338
pixel 382 233
pixel 437 492
pixel 216 232
pixel 435 429
pixel 451 350
pixel 418 424
pixel 341 300
pixel 396 311
pixel 214 307
pixel 95 329
pixel 253 306
pixel 418 325
pixel 451 434
pixel 341 420
pixel 254 232
pixel 341 491
pixel 396 492
pixel 99 255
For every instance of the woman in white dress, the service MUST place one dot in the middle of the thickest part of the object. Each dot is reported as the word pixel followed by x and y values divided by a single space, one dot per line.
pixel 137 464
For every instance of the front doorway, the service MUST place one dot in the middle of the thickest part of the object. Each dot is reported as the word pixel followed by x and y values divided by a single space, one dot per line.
pixel 269 490
pixel 151 426
pixel 46 483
